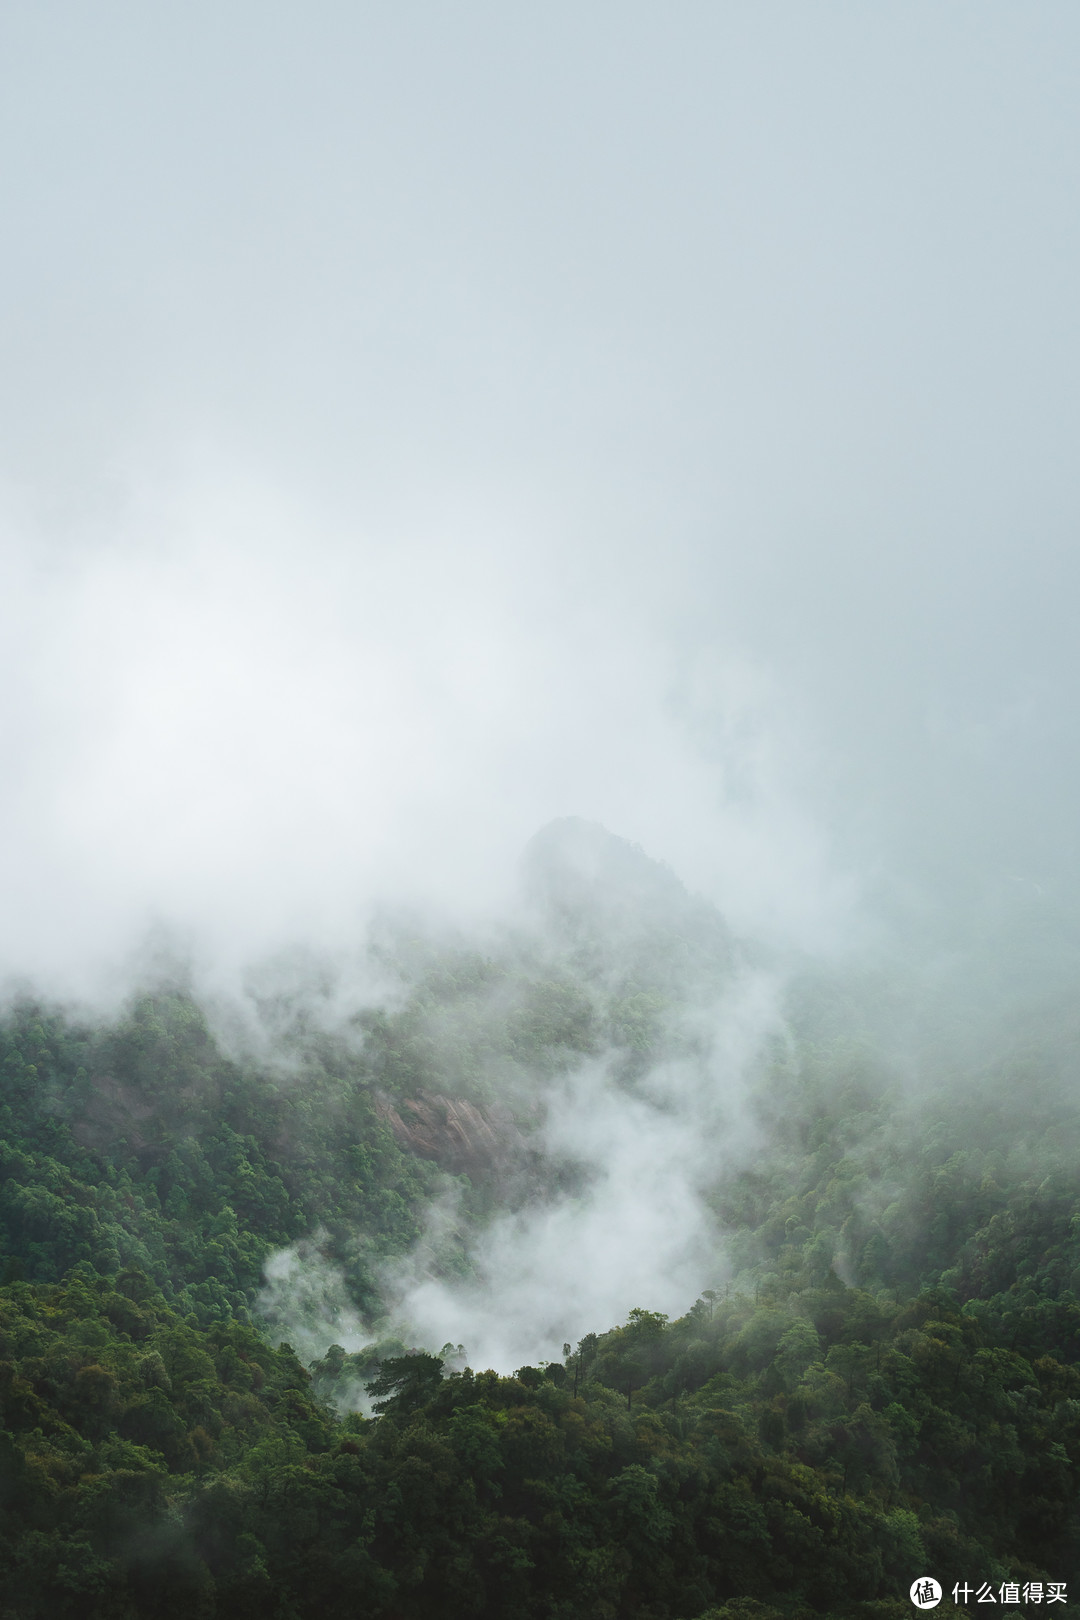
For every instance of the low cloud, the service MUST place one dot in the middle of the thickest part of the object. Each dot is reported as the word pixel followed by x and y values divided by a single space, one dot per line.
pixel 622 1217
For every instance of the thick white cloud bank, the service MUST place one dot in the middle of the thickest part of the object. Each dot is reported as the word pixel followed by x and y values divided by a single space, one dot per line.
pixel 417 425
pixel 249 730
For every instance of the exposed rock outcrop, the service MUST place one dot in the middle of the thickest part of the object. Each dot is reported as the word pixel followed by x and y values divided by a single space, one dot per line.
pixel 458 1135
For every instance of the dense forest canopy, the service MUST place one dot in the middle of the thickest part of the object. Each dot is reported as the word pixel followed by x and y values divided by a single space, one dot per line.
pixel 879 1378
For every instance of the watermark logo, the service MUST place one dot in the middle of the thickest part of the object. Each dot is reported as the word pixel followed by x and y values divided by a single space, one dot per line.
pixel 1008 1592
pixel 926 1593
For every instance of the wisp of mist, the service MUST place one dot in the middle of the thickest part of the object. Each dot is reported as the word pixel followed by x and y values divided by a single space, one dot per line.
pixel 634 1226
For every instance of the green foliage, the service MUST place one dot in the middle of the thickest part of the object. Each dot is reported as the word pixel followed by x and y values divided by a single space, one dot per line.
pixel 144 1146
pixel 166 1468
pixel 890 1383
pixel 405 1383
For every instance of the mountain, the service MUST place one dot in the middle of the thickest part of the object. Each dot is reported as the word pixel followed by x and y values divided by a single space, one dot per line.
pixel 607 905
pixel 885 1385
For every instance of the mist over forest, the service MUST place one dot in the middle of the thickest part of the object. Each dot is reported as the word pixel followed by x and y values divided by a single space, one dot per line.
pixel 539 883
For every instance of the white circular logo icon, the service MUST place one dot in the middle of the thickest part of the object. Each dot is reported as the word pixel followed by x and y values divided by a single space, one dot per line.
pixel 925 1592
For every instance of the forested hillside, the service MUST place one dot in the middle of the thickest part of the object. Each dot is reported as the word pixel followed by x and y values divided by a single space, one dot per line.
pixel 883 1382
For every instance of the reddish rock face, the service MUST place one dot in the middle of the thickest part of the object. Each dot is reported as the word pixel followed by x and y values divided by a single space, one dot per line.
pixel 459 1136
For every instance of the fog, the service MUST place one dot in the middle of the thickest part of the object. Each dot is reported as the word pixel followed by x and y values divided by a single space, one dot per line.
pixel 642 1227
pixel 420 423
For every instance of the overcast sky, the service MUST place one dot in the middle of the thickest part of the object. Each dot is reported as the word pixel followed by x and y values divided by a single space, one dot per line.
pixel 419 421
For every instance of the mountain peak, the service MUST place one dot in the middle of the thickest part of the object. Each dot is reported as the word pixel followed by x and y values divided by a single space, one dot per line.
pixel 602 891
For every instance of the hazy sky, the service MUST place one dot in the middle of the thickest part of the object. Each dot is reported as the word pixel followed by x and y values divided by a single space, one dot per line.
pixel 419 421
